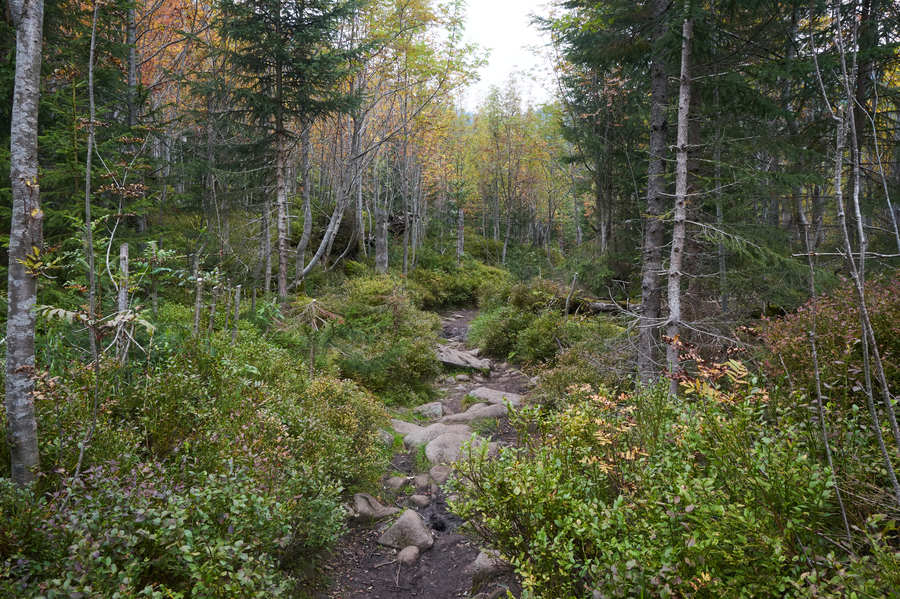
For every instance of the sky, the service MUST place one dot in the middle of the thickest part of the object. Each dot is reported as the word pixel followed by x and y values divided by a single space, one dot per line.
pixel 504 27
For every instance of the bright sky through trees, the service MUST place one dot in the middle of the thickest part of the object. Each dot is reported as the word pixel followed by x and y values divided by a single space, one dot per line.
pixel 516 46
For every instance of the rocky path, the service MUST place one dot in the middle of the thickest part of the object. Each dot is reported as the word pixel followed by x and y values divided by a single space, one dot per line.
pixel 407 543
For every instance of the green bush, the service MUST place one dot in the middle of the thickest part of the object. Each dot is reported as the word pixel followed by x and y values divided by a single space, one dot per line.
pixel 646 496
pixel 446 285
pixel 210 471
pixel 838 340
pixel 143 532
pixel 494 331
pixel 384 342
pixel 533 329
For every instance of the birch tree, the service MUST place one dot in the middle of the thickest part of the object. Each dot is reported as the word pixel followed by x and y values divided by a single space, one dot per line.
pixel 25 240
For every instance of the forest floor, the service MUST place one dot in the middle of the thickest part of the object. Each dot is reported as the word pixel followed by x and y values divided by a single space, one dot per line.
pixel 362 568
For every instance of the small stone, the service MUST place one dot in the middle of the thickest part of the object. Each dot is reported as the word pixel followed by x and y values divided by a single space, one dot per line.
pixel 440 473
pixel 434 409
pixel 409 529
pixel 420 501
pixel 370 508
pixel 408 555
pixel 486 567
pixel 463 378
pixel 422 483
pixel 386 438
pixel 395 483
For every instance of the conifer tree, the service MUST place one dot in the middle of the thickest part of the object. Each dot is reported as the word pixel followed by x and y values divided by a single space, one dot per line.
pixel 287 59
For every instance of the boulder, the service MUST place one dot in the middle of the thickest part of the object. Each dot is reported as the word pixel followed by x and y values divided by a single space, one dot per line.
pixel 404 428
pixel 463 378
pixel 425 435
pixel 386 438
pixel 446 448
pixel 434 409
pixel 487 567
pixel 493 396
pixel 419 501
pixel 479 411
pixel 408 555
pixel 440 473
pixel 369 508
pixel 422 483
pixel 461 359
pixel 409 529
pixel 395 483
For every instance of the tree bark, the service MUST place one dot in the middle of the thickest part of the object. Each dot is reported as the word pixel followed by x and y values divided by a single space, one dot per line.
pixel 25 233
pixel 676 258
pixel 654 227
pixel 267 249
pixel 381 231
pixel 281 224
pixel 122 302
pixel 306 190
pixel 460 233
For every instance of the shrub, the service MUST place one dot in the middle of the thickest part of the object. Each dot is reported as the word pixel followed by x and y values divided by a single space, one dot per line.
pixel 143 531
pixel 646 496
pixel 838 340
pixel 447 285
pixel 386 343
pixel 495 331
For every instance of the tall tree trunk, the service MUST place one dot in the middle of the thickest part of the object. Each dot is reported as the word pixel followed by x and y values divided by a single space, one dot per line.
pixel 506 236
pixel 460 233
pixel 267 248
pixel 576 211
pixel 281 224
pixel 25 233
pixel 381 228
pixel 654 227
pixel 306 190
pixel 122 302
pixel 673 329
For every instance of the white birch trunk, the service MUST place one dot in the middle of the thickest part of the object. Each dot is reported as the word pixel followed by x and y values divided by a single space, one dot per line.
pixel 25 233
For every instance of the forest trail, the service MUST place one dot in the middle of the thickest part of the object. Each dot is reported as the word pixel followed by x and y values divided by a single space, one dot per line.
pixel 453 566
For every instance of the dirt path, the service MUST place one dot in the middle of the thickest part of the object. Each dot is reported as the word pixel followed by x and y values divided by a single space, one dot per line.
pixel 361 567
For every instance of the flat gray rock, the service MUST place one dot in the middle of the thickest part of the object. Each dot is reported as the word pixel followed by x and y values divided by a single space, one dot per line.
pixel 461 359
pixel 404 428
pixel 370 508
pixel 434 409
pixel 480 411
pixel 446 449
pixel 408 530
pixel 494 396
pixel 425 435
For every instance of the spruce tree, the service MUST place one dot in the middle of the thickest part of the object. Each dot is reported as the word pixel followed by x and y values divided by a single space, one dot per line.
pixel 288 61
